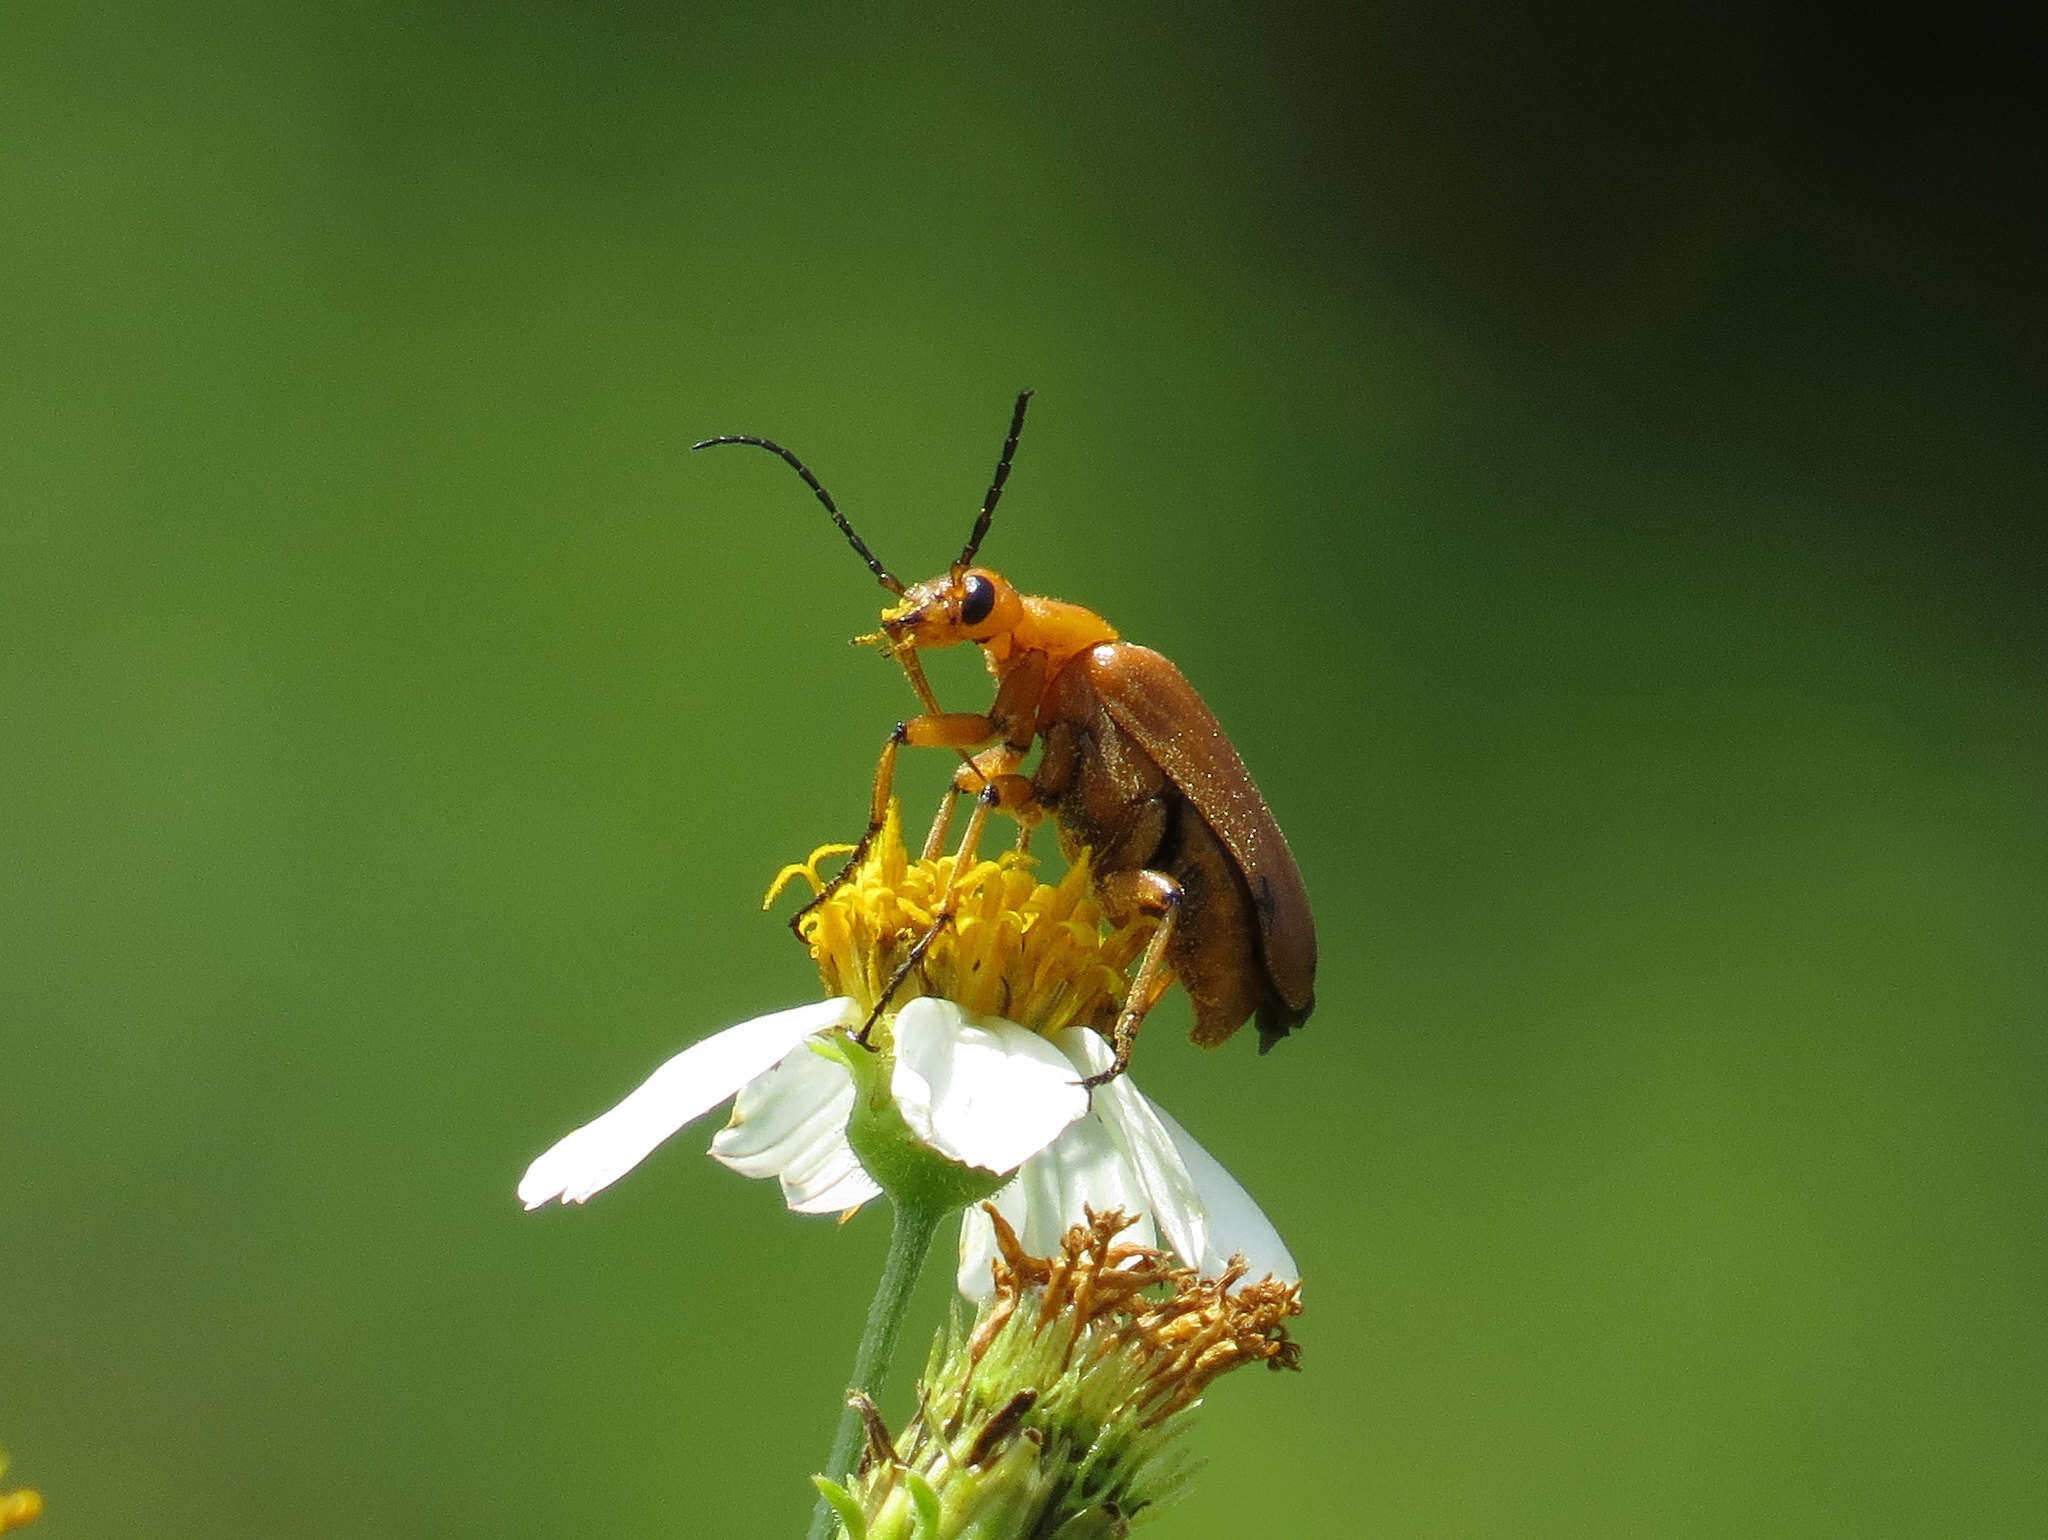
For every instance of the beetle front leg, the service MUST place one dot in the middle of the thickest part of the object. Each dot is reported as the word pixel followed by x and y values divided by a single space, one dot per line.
pixel 960 730
pixel 878 814
pixel 942 913
pixel 1124 896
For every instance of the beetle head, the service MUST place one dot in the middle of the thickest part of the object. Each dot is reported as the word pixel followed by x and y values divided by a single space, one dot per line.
pixel 967 604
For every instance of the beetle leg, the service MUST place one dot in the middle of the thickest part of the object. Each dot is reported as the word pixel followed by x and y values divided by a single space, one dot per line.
pixel 960 730
pixel 1011 793
pixel 942 915
pixel 942 822
pixel 1018 796
pixel 1125 894
pixel 1015 795
pixel 948 730
pixel 1009 728
pixel 878 812
pixel 981 771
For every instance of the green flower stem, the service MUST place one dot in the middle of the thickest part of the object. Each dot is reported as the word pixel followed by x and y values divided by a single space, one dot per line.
pixel 912 1226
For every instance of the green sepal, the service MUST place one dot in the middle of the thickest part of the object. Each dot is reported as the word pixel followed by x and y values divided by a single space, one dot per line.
pixel 851 1517
pixel 926 1501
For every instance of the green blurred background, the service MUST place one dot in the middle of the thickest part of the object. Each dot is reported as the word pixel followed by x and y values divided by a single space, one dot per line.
pixel 1589 462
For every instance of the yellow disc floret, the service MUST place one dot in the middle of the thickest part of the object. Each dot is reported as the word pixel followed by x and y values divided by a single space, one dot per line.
pixel 1040 955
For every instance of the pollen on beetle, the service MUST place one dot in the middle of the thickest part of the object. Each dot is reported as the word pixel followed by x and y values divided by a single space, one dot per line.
pixel 1043 956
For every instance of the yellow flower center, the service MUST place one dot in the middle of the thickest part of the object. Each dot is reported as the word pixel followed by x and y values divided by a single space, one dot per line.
pixel 1042 956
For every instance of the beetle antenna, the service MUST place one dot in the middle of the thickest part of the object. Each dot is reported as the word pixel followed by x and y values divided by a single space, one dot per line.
pixel 995 488
pixel 888 579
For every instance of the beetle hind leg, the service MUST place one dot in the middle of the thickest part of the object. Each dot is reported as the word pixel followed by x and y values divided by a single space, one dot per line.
pixel 1124 895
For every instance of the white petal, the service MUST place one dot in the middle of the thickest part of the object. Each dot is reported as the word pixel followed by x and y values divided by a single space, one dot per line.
pixel 1135 1129
pixel 791 1123
pixel 1083 1169
pixel 686 1087
pixel 1236 1223
pixel 978 1244
pixel 837 1188
pixel 978 1089
pixel 778 1114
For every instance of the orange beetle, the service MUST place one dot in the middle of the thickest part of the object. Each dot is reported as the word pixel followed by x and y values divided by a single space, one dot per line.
pixel 1132 766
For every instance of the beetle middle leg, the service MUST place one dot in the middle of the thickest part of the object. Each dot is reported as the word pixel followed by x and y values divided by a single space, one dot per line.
pixel 995 767
pixel 1003 735
pixel 1125 895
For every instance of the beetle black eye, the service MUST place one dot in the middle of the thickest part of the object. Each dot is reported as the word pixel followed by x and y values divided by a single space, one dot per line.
pixel 978 597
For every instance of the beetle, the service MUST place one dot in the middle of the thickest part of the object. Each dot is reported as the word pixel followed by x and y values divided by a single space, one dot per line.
pixel 1132 766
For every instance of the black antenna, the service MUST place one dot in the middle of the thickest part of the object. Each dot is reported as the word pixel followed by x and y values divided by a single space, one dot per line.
pixel 888 579
pixel 995 488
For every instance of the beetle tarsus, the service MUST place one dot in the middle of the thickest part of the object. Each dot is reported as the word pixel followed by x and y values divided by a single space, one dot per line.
pixel 836 881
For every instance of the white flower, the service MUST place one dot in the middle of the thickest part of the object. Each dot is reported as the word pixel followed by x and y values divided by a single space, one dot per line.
pixel 982 1091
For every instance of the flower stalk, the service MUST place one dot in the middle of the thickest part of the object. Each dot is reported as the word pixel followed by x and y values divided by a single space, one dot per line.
pixel 912 1226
